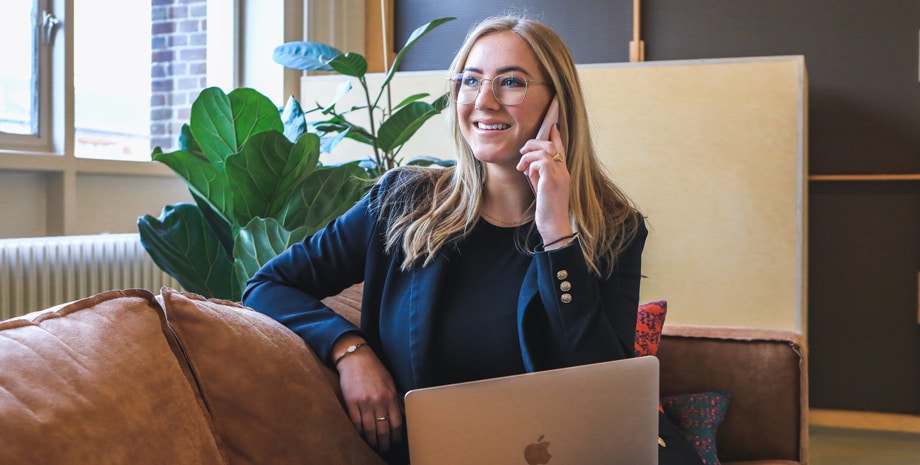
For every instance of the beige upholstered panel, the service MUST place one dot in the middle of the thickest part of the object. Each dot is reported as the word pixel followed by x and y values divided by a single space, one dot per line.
pixel 713 151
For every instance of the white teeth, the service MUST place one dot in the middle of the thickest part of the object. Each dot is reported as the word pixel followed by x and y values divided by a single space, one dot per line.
pixel 492 126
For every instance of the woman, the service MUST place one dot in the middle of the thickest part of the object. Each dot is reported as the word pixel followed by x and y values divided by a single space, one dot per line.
pixel 523 256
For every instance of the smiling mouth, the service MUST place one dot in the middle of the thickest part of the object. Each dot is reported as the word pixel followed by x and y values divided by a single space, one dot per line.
pixel 493 127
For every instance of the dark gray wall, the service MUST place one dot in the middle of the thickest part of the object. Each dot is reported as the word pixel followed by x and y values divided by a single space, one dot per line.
pixel 597 37
pixel 864 117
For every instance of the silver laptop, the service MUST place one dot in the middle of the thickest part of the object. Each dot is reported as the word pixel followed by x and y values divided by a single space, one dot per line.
pixel 604 413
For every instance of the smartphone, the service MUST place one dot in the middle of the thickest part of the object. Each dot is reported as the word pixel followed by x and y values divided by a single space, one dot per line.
pixel 551 118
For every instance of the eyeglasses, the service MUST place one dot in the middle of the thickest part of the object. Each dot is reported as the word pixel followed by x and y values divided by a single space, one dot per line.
pixel 509 89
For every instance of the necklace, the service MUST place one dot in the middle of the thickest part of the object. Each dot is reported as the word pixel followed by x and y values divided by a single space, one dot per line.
pixel 526 219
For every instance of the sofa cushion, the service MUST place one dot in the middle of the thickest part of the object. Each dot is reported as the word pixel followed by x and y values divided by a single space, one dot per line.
pixel 698 416
pixel 95 381
pixel 269 396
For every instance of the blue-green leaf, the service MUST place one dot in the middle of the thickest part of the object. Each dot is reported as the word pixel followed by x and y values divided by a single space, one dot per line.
pixel 430 161
pixel 306 56
pixel 292 116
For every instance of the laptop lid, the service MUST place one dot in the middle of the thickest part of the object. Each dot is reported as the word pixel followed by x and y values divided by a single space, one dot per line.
pixel 604 413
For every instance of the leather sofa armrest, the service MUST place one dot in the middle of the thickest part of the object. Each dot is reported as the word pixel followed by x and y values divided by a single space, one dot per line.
pixel 766 373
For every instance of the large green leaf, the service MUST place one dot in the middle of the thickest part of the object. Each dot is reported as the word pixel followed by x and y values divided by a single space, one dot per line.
pixel 349 64
pixel 324 195
pixel 396 130
pixel 441 102
pixel 417 34
pixel 260 241
pixel 222 123
pixel 266 171
pixel 187 142
pixel 253 113
pixel 219 226
pixel 182 244
pixel 211 124
pixel 202 177
pixel 306 56
pixel 410 99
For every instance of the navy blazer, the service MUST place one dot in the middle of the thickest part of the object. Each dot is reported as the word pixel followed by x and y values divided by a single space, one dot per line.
pixel 566 315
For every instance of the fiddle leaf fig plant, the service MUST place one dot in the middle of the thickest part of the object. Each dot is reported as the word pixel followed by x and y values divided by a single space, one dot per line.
pixel 258 187
pixel 255 174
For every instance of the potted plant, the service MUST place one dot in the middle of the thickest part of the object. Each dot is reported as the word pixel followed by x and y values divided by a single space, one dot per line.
pixel 255 173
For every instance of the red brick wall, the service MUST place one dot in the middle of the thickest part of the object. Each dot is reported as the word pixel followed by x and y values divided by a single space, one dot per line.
pixel 178 68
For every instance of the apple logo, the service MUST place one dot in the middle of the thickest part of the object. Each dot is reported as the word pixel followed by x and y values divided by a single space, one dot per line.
pixel 538 452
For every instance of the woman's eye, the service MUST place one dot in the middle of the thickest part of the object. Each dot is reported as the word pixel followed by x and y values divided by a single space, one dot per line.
pixel 511 81
pixel 470 81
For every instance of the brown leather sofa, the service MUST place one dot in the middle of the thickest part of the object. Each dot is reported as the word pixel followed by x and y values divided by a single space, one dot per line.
pixel 767 375
pixel 127 377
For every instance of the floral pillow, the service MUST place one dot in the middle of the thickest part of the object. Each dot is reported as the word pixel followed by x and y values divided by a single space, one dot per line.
pixel 648 327
pixel 698 415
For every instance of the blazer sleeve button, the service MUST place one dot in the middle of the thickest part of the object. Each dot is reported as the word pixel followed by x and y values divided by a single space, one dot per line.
pixel 562 274
pixel 565 286
pixel 566 298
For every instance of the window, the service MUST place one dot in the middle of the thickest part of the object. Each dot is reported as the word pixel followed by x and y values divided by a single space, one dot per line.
pixel 137 67
pixel 112 79
pixel 63 100
pixel 25 57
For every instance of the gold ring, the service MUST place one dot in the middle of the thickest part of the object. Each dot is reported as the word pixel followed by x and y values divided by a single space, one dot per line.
pixel 557 156
pixel 382 418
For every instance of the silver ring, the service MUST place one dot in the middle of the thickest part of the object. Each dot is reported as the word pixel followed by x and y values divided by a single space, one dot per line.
pixel 381 418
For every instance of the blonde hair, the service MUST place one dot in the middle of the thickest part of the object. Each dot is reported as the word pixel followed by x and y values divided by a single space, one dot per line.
pixel 428 209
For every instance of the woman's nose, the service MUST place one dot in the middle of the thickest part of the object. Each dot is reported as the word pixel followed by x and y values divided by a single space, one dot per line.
pixel 485 99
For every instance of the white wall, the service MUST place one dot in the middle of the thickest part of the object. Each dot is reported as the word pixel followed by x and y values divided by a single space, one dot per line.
pixel 101 203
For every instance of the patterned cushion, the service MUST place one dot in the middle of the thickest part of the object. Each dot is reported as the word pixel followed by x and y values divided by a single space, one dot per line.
pixel 648 327
pixel 698 415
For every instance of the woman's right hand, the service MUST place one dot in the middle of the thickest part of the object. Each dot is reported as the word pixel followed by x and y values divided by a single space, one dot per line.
pixel 370 396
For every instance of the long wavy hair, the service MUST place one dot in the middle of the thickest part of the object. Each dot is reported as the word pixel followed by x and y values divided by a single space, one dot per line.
pixel 428 209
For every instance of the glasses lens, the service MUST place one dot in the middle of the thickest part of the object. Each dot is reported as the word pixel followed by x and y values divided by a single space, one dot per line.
pixel 509 89
pixel 465 88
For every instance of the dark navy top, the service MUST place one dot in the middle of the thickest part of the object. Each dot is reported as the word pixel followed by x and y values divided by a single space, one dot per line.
pixel 475 334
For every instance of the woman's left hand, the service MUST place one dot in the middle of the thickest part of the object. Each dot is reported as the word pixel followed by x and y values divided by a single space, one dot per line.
pixel 545 165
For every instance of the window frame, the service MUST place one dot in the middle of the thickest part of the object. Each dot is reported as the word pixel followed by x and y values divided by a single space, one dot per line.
pixel 42 141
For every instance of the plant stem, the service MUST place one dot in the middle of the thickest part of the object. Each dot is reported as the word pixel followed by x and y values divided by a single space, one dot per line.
pixel 370 114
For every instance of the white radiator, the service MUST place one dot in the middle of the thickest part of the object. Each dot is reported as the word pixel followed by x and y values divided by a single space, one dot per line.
pixel 41 272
